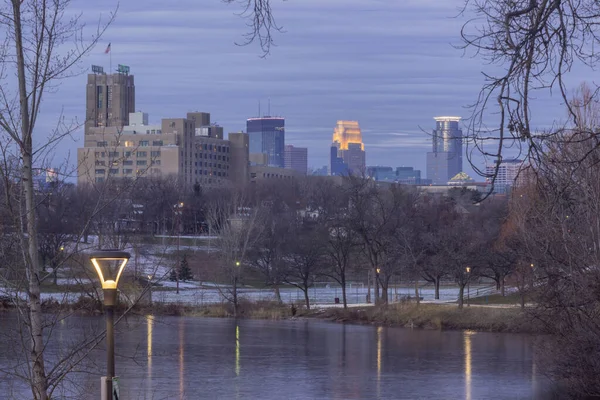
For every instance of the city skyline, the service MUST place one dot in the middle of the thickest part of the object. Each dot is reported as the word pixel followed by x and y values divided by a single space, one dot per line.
pixel 312 76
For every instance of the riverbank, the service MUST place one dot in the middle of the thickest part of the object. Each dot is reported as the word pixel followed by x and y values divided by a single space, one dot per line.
pixel 410 315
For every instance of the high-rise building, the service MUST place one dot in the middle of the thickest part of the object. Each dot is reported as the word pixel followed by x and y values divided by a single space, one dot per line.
pixel 116 145
pixel 510 174
pixel 383 174
pixel 337 166
pixel 109 98
pixel 408 175
pixel 445 159
pixel 239 165
pixel 267 135
pixel 296 158
pixel 347 140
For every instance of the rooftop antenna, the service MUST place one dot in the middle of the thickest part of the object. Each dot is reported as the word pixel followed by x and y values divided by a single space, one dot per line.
pixel 269 107
pixel 258 108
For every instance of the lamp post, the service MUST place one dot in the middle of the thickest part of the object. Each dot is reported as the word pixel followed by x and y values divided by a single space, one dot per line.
pixel 109 265
pixel 468 286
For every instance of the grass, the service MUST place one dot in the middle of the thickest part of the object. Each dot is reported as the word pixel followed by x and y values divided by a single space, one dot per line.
pixel 434 316
pixel 509 299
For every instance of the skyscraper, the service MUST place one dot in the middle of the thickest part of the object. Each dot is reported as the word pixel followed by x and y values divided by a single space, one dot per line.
pixel 296 158
pixel 109 98
pixel 267 135
pixel 445 159
pixel 510 174
pixel 348 146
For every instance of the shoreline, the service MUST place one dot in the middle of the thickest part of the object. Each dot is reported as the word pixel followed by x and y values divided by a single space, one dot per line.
pixel 426 316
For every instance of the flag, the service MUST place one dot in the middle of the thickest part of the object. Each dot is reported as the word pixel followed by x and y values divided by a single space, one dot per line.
pixel 107 49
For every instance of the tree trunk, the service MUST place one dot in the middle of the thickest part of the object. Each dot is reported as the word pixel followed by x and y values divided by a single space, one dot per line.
pixel 384 290
pixel 39 383
pixel 235 298
pixel 502 287
pixel 417 291
pixel 368 286
pixel 344 299
pixel 437 287
pixel 278 294
pixel 306 300
pixel 461 293
pixel 376 286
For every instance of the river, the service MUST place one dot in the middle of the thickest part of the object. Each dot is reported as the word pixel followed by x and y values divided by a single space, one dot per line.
pixel 205 358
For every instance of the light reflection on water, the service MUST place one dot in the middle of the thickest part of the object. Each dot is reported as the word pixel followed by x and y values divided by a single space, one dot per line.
pixel 468 360
pixel 197 358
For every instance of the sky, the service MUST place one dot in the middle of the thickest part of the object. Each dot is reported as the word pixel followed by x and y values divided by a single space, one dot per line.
pixel 390 65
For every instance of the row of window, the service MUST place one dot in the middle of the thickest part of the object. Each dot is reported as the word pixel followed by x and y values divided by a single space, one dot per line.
pixel 126 154
pixel 212 147
pixel 129 143
pixel 208 173
pixel 140 163
pixel 212 165
pixel 212 157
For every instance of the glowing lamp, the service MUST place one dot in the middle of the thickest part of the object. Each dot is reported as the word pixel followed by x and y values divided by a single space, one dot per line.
pixel 109 265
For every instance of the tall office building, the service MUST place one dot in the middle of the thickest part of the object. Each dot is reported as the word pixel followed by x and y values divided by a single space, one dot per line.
pixel 348 146
pixel 510 174
pixel 296 158
pixel 445 159
pixel 267 135
pixel 109 98
pixel 239 164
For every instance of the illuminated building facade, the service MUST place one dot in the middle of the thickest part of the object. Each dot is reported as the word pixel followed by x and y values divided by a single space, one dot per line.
pixel 348 146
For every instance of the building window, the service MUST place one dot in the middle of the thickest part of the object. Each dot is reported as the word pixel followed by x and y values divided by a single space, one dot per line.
pixel 155 162
pixel 155 154
pixel 127 154
pixel 101 144
pixel 144 143
pixel 141 162
pixel 109 97
pixel 100 97
pixel 113 154
pixel 100 163
pixel 99 179
pixel 100 172
pixel 127 171
pixel 129 143
pixel 128 162
pixel 157 143
pixel 114 170
pixel 142 153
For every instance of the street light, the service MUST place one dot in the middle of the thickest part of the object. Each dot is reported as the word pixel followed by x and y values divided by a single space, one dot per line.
pixel 109 265
pixel 468 286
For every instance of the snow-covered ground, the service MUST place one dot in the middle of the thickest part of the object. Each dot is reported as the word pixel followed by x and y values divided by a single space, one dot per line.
pixel 196 293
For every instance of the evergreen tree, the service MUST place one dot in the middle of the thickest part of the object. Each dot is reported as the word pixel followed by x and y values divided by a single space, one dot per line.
pixel 185 273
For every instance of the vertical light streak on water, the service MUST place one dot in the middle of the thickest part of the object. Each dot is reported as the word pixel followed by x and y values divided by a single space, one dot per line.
pixel 181 368
pixel 379 346
pixel 149 329
pixel 467 342
pixel 237 350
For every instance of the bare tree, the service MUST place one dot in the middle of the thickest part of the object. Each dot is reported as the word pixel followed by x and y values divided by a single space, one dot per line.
pixel 536 44
pixel 558 222
pixel 304 256
pixel 35 34
pixel 239 228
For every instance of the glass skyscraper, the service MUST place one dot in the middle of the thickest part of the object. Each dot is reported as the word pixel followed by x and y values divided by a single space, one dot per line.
pixel 445 159
pixel 267 136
